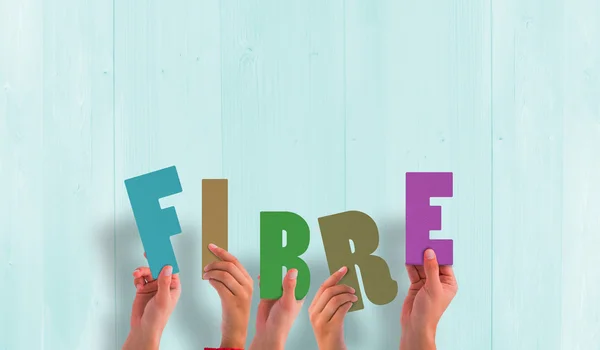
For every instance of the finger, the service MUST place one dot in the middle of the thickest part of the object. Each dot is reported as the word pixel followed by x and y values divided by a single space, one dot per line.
pixel 334 279
pixel 334 303
pixel 139 283
pixel 152 287
pixel 289 286
pixel 227 279
pixel 342 311
pixel 164 284
pixel 320 303
pixel 229 267
pixel 143 272
pixel 264 309
pixel 227 256
pixel 175 282
pixel 447 275
pixel 447 270
pixel 432 269
pixel 221 288
pixel 413 273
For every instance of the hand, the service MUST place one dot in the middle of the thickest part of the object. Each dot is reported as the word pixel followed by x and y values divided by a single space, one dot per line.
pixel 234 286
pixel 328 309
pixel 275 318
pixel 432 289
pixel 153 304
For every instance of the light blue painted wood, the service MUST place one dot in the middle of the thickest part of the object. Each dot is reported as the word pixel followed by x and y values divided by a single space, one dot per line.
pixel 528 110
pixel 580 310
pixel 421 103
pixel 77 143
pixel 316 108
pixel 168 112
pixel 283 115
pixel 56 166
pixel 21 186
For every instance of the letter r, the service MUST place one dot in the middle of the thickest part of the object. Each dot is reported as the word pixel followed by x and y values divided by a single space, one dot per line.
pixel 155 225
pixel 274 255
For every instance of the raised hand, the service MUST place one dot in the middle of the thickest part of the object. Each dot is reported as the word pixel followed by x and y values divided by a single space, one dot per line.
pixel 328 309
pixel 234 286
pixel 432 289
pixel 275 318
pixel 154 302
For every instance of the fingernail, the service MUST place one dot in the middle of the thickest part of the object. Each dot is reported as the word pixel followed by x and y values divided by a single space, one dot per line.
pixel 212 246
pixel 342 269
pixel 168 270
pixel 204 276
pixel 430 254
pixel 354 298
pixel 206 268
pixel 293 274
pixel 352 290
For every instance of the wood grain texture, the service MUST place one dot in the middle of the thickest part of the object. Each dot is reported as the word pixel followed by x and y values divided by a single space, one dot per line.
pixel 283 125
pixel 313 107
pixel 394 126
pixel 59 124
pixel 580 312
pixel 21 183
pixel 168 112
pixel 77 175
pixel 528 112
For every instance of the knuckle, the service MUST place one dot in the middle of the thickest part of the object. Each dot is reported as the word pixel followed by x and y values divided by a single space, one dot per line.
pixel 338 299
pixel 329 293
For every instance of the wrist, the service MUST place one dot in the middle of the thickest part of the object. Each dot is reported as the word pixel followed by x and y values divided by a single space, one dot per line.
pixel 267 341
pixel 420 339
pixel 331 343
pixel 138 339
pixel 236 342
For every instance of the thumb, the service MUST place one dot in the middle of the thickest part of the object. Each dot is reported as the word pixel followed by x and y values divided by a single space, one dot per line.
pixel 289 285
pixel 164 284
pixel 432 269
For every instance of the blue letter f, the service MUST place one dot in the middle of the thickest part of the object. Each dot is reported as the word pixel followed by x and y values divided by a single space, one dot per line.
pixel 155 225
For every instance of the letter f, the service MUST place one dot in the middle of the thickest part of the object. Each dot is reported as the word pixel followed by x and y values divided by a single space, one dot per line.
pixel 155 225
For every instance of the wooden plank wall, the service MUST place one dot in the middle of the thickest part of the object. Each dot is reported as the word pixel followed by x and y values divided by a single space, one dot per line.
pixel 314 107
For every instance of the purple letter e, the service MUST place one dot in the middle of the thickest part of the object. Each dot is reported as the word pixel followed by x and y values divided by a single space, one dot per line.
pixel 421 217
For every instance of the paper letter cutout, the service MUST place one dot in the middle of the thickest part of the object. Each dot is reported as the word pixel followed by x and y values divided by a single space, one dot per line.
pixel 155 225
pixel 337 231
pixel 421 217
pixel 214 218
pixel 273 255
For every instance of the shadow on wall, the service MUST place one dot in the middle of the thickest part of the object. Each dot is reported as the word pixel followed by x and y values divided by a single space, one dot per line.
pixel 192 319
pixel 197 325
pixel 392 232
pixel 105 242
pixel 385 333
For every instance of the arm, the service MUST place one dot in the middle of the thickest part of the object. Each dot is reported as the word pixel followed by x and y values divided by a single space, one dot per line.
pixel 431 290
